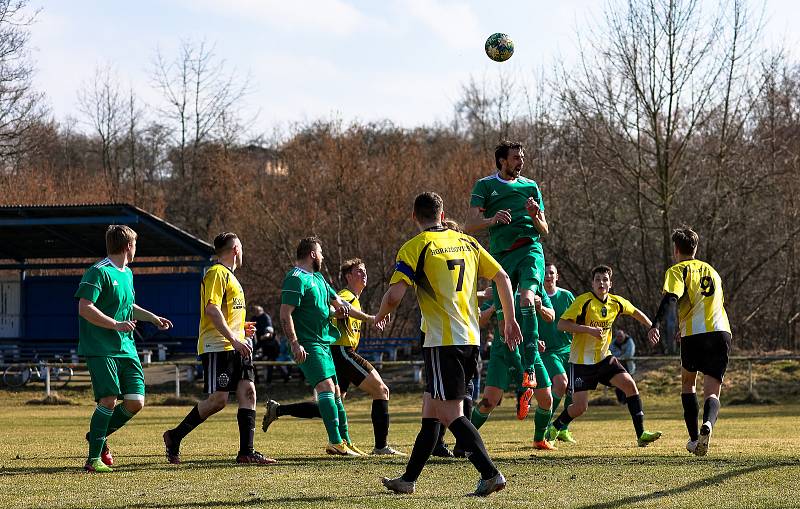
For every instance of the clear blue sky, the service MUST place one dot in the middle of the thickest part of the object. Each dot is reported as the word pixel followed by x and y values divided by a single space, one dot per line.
pixel 402 60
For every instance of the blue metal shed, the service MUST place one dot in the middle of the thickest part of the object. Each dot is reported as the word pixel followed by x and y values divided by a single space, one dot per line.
pixel 61 240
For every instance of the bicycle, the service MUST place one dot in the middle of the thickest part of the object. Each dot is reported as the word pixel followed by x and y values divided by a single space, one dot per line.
pixel 18 375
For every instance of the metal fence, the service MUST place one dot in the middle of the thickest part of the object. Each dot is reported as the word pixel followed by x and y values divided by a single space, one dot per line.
pixel 415 365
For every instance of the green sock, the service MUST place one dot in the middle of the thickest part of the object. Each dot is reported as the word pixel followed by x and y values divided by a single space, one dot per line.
pixel 343 430
pixel 120 416
pixel 97 430
pixel 530 334
pixel 477 418
pixel 556 402
pixel 330 416
pixel 541 419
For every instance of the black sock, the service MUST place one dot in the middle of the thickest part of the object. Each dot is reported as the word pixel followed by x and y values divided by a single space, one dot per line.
pixel 471 441
pixel 689 401
pixel 190 422
pixel 247 427
pixel 423 447
pixel 440 437
pixel 304 410
pixel 562 421
pixel 380 421
pixel 637 414
pixel 711 410
pixel 468 404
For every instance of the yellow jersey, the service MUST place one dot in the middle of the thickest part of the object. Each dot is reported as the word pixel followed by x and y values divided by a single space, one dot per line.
pixel 443 266
pixel 700 303
pixel 587 309
pixel 349 328
pixel 221 288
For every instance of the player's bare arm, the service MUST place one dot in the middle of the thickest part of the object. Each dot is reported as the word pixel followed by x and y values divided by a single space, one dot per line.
pixel 547 314
pixel 89 312
pixel 641 318
pixel 537 215
pixel 391 299
pixel 486 315
pixel 511 330
pixel 214 313
pixel 140 313
pixel 565 325
pixel 476 222
pixel 298 352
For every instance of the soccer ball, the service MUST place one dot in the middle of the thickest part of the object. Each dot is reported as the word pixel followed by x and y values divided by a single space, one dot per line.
pixel 499 47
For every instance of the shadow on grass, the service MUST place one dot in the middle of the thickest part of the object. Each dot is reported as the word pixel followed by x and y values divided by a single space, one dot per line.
pixel 638 500
pixel 228 503
pixel 189 463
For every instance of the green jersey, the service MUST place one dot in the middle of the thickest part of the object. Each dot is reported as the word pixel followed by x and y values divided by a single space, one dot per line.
pixel 555 340
pixel 492 194
pixel 110 288
pixel 310 295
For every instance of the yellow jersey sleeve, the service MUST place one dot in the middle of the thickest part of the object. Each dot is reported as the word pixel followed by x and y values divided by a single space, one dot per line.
pixel 213 287
pixel 406 264
pixel 488 267
pixel 626 308
pixel 673 282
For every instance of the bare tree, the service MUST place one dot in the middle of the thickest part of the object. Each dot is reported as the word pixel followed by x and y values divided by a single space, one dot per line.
pixel 20 106
pixel 202 98
pixel 104 106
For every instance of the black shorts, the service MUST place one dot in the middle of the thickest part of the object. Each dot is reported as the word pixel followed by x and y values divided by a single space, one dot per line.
pixel 222 371
pixel 448 369
pixel 706 353
pixel 585 377
pixel 351 368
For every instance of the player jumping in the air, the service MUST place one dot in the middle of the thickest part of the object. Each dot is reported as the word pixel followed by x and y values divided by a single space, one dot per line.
pixel 511 207
pixel 705 333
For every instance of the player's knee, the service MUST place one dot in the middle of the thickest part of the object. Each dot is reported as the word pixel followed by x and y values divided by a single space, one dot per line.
pixel 327 385
pixel 485 406
pixel 544 399
pixel 133 405
pixel 578 408
pixel 249 393
pixel 382 392
pixel 526 301
pixel 108 402
pixel 217 401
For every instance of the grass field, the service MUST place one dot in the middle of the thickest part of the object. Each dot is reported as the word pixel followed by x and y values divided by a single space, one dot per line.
pixel 754 462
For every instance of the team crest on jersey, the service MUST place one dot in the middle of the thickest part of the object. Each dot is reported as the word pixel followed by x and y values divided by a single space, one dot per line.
pixel 604 312
pixel 223 380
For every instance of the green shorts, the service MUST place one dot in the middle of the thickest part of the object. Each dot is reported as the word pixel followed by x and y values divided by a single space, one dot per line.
pixel 504 365
pixel 122 377
pixel 524 266
pixel 532 362
pixel 556 363
pixel 318 365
